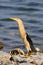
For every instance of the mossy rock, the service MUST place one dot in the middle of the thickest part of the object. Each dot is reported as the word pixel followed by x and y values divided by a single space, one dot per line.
pixel 1 45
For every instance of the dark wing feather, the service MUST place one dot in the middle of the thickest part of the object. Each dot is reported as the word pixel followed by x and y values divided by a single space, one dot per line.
pixel 31 43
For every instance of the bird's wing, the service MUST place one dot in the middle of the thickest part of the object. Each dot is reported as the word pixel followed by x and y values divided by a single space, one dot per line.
pixel 30 42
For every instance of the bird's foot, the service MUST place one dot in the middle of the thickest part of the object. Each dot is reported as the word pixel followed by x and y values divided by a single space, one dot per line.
pixel 26 55
pixel 29 55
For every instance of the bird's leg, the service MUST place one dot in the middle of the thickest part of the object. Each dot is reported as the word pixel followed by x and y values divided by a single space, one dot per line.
pixel 29 54
pixel 26 55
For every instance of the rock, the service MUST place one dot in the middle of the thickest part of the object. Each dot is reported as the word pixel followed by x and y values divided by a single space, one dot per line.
pixel 6 59
pixel 17 51
pixel 1 45
pixel 41 64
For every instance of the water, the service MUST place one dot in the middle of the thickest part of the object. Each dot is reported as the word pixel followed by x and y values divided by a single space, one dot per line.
pixel 31 12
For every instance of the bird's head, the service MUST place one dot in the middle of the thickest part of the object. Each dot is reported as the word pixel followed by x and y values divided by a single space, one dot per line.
pixel 14 18
pixel 18 20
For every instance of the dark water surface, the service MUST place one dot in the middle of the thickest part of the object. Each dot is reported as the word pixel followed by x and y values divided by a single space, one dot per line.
pixel 31 12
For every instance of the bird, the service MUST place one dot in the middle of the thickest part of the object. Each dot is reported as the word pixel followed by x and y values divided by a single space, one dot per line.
pixel 28 43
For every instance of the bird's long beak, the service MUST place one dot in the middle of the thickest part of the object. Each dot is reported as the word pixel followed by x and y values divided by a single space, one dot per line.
pixel 13 18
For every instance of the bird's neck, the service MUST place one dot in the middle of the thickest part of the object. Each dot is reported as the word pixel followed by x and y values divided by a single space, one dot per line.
pixel 21 29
